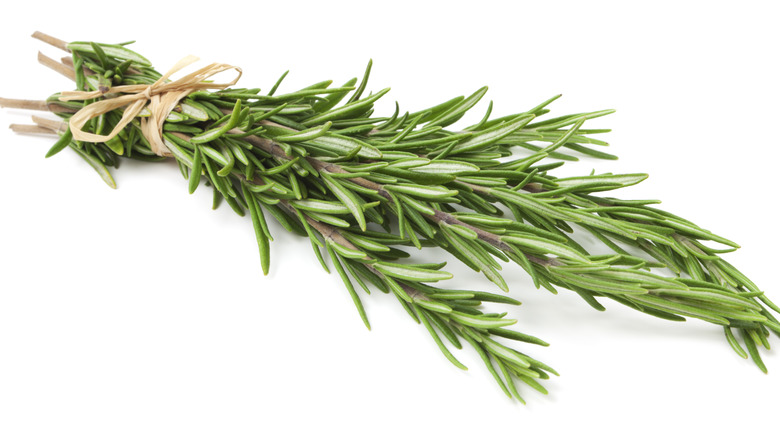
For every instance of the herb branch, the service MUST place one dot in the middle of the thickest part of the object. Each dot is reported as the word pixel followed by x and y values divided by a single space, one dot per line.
pixel 369 190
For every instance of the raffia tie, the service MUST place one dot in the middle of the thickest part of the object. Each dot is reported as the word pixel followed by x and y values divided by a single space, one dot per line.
pixel 161 96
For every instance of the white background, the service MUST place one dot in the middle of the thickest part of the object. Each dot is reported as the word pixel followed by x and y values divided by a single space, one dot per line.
pixel 140 312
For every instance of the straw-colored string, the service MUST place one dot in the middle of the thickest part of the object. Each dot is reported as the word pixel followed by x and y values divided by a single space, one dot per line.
pixel 161 97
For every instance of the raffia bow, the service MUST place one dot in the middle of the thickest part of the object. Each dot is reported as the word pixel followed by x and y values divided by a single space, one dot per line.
pixel 161 96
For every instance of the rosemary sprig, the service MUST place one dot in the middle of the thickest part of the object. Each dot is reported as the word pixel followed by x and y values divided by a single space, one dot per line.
pixel 366 189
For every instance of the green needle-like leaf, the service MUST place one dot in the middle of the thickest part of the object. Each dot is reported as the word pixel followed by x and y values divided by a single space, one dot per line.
pixel 545 246
pixel 112 50
pixel 424 319
pixel 355 299
pixel 480 322
pixel 348 198
pixel 196 172
pixel 411 273
pixel 305 135
pixel 492 135
pixel 260 233
pixel 96 164
pixel 602 182
pixel 62 143
pixel 454 113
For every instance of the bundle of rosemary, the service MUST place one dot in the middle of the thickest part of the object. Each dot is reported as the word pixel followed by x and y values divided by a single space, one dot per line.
pixel 368 190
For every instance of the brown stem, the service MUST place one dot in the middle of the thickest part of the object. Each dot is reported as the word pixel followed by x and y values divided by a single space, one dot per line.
pixel 261 143
pixel 25 104
pixel 56 108
pixel 54 125
pixel 333 233
pixel 327 231
pixel 34 105
pixel 264 144
pixel 335 168
pixel 48 39
pixel 534 188
pixel 31 129
pixel 438 216
pixel 493 239
pixel 57 66
pixel 270 123
pixel 68 61
pixel 274 149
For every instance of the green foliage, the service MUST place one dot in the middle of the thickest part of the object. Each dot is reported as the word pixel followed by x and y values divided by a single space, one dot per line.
pixel 364 189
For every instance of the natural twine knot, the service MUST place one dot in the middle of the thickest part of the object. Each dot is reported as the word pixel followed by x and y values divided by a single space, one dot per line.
pixel 161 96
